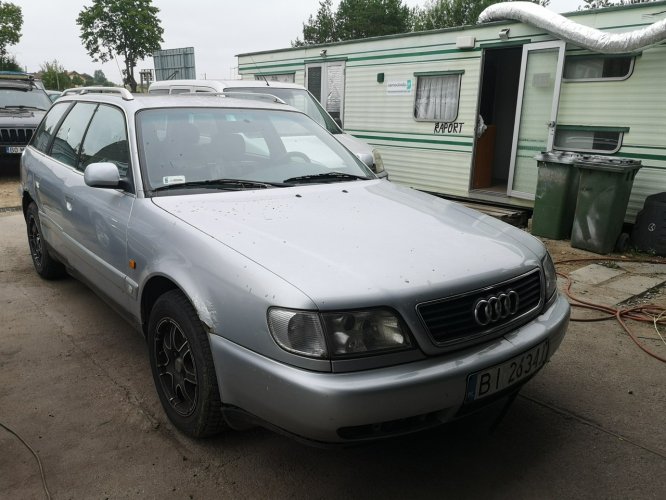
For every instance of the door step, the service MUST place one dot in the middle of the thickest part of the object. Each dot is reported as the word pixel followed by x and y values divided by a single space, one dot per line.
pixel 511 215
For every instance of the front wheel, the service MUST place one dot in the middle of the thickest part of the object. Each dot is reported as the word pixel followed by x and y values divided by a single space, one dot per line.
pixel 45 265
pixel 182 366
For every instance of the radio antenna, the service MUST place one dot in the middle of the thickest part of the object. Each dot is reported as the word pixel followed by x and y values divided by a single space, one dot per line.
pixel 256 67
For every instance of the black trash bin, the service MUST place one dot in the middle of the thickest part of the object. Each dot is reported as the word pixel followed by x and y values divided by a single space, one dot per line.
pixel 556 192
pixel 649 234
pixel 603 194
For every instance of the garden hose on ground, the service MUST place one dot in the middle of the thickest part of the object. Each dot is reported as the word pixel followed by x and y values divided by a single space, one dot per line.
pixel 649 313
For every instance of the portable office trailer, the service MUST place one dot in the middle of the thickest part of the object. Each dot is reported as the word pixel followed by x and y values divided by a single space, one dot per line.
pixel 423 98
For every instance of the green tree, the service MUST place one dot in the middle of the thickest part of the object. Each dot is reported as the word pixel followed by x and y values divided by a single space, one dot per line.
pixel 320 28
pixel 77 81
pixel 9 63
pixel 54 76
pixel 11 22
pixel 600 4
pixel 128 28
pixel 436 14
pixel 366 18
pixel 99 78
pixel 355 19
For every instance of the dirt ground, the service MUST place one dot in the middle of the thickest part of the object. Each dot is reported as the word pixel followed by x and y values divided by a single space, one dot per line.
pixel 9 184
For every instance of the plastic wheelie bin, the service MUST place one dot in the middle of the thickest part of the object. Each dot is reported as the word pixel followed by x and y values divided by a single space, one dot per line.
pixel 603 194
pixel 556 192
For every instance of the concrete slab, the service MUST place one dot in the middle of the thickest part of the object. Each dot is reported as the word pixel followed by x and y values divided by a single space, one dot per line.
pixel 634 284
pixel 601 295
pixel 595 274
pixel 643 268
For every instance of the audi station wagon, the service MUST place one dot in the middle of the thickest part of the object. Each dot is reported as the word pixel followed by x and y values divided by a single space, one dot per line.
pixel 276 279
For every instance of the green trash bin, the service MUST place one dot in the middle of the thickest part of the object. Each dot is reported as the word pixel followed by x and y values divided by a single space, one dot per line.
pixel 555 199
pixel 603 194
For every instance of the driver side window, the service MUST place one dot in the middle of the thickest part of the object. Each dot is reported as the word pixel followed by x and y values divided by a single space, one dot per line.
pixel 106 140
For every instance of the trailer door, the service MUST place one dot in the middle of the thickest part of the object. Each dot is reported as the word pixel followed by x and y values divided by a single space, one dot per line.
pixel 536 113
pixel 326 81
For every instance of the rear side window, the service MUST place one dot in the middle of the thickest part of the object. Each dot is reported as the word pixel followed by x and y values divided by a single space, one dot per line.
pixel 589 139
pixel 68 139
pixel 44 133
pixel 598 67
pixel 106 140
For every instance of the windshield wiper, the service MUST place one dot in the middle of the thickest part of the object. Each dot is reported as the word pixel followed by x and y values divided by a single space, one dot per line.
pixel 20 106
pixel 230 184
pixel 326 177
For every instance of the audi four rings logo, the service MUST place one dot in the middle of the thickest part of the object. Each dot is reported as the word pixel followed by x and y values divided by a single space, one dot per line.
pixel 497 307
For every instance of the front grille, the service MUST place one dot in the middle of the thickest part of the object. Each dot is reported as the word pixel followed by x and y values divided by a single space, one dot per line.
pixel 452 321
pixel 18 136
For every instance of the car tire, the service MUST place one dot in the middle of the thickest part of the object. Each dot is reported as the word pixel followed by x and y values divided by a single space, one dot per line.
pixel 45 265
pixel 182 366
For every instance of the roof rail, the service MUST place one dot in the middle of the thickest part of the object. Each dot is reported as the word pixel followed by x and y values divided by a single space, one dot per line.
pixel 237 95
pixel 124 93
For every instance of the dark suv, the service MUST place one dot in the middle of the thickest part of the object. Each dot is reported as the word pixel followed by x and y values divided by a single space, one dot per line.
pixel 22 106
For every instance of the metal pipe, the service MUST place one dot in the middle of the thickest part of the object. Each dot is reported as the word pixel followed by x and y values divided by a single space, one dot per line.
pixel 575 33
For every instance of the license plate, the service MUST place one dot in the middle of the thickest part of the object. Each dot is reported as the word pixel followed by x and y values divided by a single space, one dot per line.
pixel 488 382
pixel 14 149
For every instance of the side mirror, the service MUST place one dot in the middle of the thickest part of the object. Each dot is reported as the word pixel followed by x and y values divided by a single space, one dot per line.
pixel 102 175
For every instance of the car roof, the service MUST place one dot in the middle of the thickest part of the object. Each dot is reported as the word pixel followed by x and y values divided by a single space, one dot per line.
pixel 138 102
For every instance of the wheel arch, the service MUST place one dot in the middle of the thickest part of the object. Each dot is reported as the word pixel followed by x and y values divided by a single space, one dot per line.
pixel 155 287
pixel 26 200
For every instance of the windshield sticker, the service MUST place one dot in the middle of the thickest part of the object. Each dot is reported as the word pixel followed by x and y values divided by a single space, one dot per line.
pixel 173 179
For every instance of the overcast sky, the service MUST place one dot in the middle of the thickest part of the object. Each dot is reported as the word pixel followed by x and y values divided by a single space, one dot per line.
pixel 217 29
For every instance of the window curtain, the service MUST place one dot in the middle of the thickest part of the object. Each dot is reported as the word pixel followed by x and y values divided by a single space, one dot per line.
pixel 437 98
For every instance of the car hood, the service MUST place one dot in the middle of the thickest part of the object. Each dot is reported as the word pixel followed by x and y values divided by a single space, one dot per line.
pixel 344 243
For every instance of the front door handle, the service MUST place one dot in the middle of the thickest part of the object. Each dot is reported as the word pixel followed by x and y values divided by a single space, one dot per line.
pixel 68 203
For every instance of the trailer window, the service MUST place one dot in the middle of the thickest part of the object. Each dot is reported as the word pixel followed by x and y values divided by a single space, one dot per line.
pixel 588 140
pixel 437 97
pixel 276 77
pixel 598 67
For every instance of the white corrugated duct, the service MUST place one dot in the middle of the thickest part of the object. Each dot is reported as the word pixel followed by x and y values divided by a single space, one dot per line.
pixel 572 32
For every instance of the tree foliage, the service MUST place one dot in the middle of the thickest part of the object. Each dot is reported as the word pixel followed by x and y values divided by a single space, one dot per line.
pixel 11 22
pixel 600 4
pixel 436 14
pixel 128 28
pixel 366 18
pixel 355 19
pixel 9 63
pixel 54 76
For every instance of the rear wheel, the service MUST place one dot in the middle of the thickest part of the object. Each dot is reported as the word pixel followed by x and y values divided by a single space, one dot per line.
pixel 45 265
pixel 182 366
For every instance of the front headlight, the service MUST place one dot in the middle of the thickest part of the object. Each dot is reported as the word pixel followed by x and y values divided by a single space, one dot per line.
pixel 339 334
pixel 550 276
pixel 379 163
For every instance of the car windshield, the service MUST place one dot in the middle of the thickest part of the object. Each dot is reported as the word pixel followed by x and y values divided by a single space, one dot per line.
pixel 211 148
pixel 299 99
pixel 19 98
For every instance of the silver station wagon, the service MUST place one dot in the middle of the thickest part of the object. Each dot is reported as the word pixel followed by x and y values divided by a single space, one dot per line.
pixel 276 279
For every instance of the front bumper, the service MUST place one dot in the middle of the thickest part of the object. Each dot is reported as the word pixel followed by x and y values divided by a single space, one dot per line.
pixel 324 406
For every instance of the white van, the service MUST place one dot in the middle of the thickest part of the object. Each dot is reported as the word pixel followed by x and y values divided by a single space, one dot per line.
pixel 291 93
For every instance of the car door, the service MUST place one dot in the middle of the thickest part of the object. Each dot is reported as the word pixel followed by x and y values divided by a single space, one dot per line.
pixel 44 177
pixel 99 217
